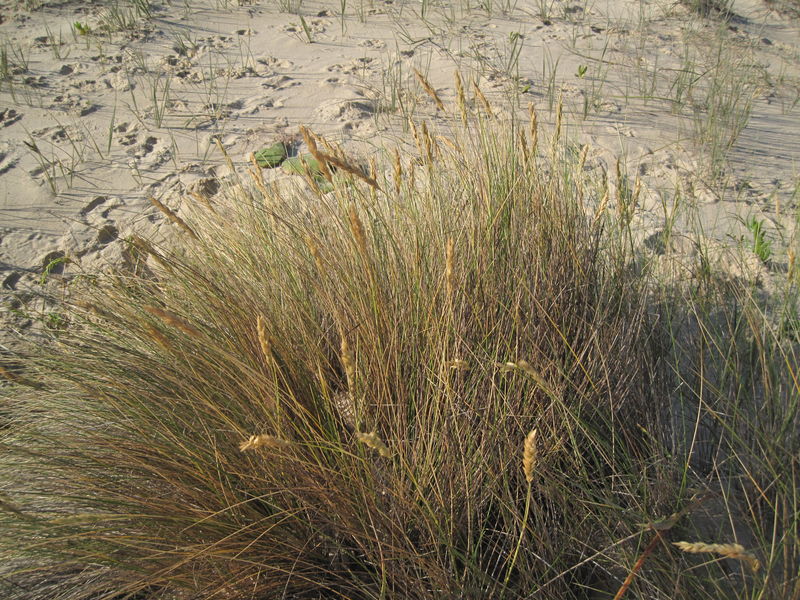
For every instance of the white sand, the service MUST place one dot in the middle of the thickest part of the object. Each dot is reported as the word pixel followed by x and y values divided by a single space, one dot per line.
pixel 119 117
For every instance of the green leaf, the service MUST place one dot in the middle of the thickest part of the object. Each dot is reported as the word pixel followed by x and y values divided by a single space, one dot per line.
pixel 301 165
pixel 272 156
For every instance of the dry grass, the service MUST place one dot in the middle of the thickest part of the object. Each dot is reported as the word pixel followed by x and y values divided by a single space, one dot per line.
pixel 325 397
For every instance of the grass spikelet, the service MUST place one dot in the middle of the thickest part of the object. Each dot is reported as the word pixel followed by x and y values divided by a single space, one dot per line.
pixel 429 143
pixel 460 98
pixel 533 127
pixel 373 440
pixel 225 154
pixel 145 247
pixel 256 442
pixel 582 157
pixel 529 456
pixel 202 199
pixel 357 229
pixel 449 269
pixel 257 175
pixel 398 172
pixel 532 373
pixel 348 361
pixel 263 339
pixel 158 337
pixel 349 168
pixel 559 121
pixel 429 90
pixel 172 216
pixel 601 209
pixel 735 551
pixel 314 250
pixel 458 364
pixel 174 320
pixel 479 94
pixel 322 159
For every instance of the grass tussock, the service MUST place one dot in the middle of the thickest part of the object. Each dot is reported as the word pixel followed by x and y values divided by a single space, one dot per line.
pixel 447 384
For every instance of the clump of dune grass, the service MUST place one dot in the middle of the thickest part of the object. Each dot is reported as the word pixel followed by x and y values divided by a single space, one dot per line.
pixel 445 382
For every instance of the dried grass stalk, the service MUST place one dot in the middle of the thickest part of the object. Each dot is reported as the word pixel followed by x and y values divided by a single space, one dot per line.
pixel 224 152
pixel 18 379
pixel 173 320
pixel 145 247
pixel 460 98
pixel 263 340
pixel 255 442
pixel 534 127
pixel 532 373
pixel 314 249
pixel 357 229
pixel 257 175
pixel 735 551
pixel 458 364
pixel 601 208
pixel 449 269
pixel 348 361
pixel 479 94
pixel 398 172
pixel 429 90
pixel 158 337
pixel 172 216
pixel 559 121
pixel 348 168
pixel 529 456
pixel 311 143
pixel 430 143
pixel 373 440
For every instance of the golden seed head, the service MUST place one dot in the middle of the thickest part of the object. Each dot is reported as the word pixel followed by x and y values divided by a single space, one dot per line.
pixel 735 551
pixel 172 216
pixel 264 441
pixel 534 126
pixel 429 90
pixel 263 338
pixel 529 456
pixel 479 94
pixel 308 138
pixel 357 229
pixel 348 361
pixel 462 102
pixel 559 117
pixel 398 172
pixel 158 337
pixel 372 440
pixel 530 371
pixel 173 320
pixel 458 364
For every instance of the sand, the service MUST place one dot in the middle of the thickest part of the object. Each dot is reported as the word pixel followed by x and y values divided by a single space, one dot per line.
pixel 102 108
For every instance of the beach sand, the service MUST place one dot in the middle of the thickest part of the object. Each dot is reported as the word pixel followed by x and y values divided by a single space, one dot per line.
pixel 105 105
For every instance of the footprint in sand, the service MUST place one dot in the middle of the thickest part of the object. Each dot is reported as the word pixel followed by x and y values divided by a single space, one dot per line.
pixel 107 234
pixel 279 82
pixel 347 111
pixel 97 201
pixel 7 163
pixel 73 104
pixel 9 116
pixel 372 44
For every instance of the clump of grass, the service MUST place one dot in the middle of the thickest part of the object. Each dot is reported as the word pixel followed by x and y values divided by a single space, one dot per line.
pixel 327 396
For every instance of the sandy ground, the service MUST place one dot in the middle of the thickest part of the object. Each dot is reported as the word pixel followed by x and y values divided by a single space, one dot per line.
pixel 102 107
